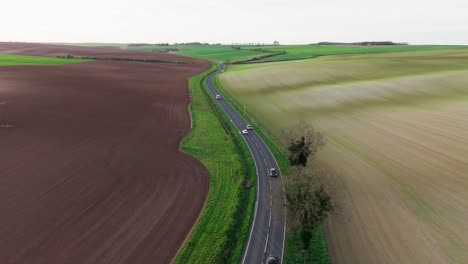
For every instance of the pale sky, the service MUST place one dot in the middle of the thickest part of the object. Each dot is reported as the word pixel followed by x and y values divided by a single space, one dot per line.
pixel 288 21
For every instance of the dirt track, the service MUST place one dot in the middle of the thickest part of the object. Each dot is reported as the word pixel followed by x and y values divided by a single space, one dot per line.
pixel 91 172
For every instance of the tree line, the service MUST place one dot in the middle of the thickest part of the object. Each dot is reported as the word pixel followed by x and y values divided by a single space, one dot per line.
pixel 308 202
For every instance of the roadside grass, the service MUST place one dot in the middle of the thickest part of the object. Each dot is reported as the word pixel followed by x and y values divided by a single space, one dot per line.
pixel 297 52
pixel 318 254
pixel 222 229
pixel 209 52
pixel 14 60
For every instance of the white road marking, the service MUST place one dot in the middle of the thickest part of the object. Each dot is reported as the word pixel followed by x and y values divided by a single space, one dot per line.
pixel 269 221
pixel 266 242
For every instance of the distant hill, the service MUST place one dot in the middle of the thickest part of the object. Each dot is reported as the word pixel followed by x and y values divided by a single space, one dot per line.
pixel 365 43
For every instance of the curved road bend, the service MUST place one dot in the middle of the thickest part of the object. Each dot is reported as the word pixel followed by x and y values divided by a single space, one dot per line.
pixel 267 233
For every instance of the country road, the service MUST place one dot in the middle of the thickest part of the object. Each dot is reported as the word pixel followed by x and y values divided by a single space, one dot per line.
pixel 267 233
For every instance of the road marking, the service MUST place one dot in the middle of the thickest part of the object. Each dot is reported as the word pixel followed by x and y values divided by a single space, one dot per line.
pixel 266 242
pixel 269 221
pixel 266 164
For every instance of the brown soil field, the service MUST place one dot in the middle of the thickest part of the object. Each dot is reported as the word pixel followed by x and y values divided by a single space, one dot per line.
pixel 91 170
pixel 36 49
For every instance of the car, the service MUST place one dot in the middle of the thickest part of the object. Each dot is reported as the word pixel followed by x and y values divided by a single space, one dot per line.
pixel 272 260
pixel 218 97
pixel 249 127
pixel 245 132
pixel 273 172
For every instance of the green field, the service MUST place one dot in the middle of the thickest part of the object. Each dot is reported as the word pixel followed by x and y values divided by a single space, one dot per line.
pixel 208 52
pixel 222 229
pixel 396 157
pixel 14 60
pixel 292 52
pixel 295 52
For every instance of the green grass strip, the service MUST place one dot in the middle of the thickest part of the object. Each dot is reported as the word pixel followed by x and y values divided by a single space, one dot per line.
pixel 222 229
pixel 16 60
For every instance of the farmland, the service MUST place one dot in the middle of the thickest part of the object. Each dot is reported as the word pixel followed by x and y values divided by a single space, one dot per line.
pixel 227 53
pixel 208 52
pixel 88 175
pixel 396 158
pixel 296 52
pixel 12 60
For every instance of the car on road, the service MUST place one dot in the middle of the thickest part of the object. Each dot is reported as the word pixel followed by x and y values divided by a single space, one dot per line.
pixel 218 97
pixel 245 132
pixel 273 172
pixel 249 127
pixel 272 260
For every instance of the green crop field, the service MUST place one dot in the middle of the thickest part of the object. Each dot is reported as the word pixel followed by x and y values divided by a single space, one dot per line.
pixel 292 52
pixel 208 52
pixel 295 52
pixel 14 60
pixel 396 156
pixel 221 232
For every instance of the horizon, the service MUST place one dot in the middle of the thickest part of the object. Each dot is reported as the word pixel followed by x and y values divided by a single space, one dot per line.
pixel 234 44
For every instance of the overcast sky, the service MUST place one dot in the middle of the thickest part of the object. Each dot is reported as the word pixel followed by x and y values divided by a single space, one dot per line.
pixel 288 21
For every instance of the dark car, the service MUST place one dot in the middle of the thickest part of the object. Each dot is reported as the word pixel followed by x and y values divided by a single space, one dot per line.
pixel 272 260
pixel 273 172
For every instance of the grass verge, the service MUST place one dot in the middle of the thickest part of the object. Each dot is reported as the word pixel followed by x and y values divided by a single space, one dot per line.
pixel 222 229
pixel 318 254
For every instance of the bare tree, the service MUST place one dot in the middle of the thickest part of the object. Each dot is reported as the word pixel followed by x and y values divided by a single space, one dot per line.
pixel 304 142
pixel 308 203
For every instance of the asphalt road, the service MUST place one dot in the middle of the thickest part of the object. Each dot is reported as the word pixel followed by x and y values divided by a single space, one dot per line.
pixel 268 230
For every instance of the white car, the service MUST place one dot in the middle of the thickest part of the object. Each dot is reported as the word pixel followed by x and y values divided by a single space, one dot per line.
pixel 249 127
pixel 245 132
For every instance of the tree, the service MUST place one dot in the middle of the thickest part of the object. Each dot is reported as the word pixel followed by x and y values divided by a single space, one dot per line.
pixel 304 142
pixel 276 43
pixel 299 152
pixel 307 206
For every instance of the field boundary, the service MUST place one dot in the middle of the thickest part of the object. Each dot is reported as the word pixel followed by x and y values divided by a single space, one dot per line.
pixel 187 238
pixel 250 180
pixel 231 249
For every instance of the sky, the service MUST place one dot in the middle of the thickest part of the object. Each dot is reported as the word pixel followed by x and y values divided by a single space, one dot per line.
pixel 238 21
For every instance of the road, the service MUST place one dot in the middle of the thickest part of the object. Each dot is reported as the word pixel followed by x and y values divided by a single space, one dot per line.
pixel 268 230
